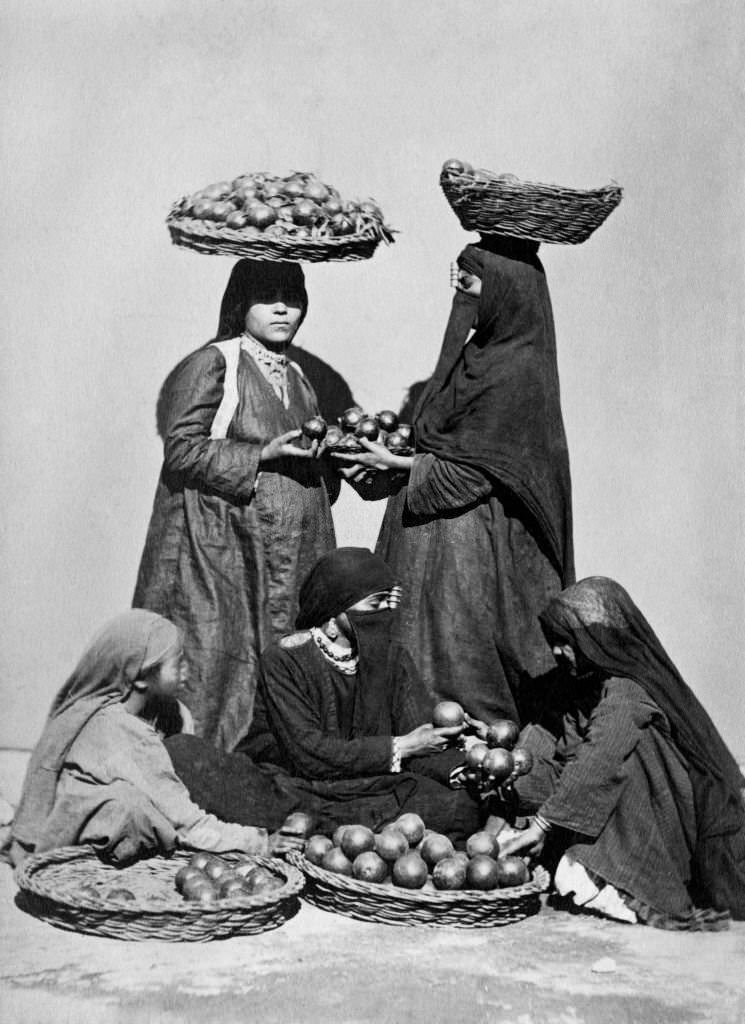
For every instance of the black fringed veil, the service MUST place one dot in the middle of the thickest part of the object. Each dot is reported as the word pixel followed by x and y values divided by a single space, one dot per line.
pixel 494 404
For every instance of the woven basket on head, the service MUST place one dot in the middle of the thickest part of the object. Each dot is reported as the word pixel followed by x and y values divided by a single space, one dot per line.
pixel 51 887
pixel 387 904
pixel 502 204
pixel 214 238
pixel 310 235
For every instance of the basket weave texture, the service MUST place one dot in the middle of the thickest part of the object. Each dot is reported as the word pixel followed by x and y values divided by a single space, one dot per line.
pixel 503 204
pixel 51 883
pixel 386 904
pixel 217 239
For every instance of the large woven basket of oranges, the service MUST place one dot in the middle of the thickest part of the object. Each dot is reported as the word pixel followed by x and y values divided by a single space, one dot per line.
pixel 263 216
pixel 184 898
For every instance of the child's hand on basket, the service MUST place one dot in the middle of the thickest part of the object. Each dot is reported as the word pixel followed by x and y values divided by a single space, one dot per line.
pixel 280 843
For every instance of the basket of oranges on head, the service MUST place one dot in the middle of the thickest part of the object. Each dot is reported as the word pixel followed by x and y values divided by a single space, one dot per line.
pixel 504 204
pixel 269 217
pixel 407 874
pixel 184 898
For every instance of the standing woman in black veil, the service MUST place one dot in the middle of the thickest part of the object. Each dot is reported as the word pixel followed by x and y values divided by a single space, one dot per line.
pixel 480 534
pixel 242 511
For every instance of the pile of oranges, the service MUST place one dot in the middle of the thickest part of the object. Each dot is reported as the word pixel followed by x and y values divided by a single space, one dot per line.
pixel 208 878
pixel 407 855
pixel 355 423
pixel 298 207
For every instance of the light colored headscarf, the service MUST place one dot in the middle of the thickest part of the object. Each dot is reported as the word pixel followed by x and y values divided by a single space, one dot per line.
pixel 119 654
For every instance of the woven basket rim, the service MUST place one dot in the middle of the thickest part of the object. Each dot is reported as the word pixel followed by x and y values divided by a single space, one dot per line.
pixel 543 212
pixel 215 237
pixel 496 183
pixel 28 873
pixel 418 898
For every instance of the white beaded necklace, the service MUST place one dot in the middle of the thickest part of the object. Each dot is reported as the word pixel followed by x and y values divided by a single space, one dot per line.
pixel 273 365
pixel 340 657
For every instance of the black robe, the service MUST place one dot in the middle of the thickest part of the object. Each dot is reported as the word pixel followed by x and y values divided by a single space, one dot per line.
pixel 333 737
pixel 481 537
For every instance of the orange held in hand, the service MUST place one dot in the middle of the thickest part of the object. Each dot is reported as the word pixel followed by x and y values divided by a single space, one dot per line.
pixel 447 714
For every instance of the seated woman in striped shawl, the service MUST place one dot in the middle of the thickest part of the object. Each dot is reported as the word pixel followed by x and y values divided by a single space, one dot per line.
pixel 635 793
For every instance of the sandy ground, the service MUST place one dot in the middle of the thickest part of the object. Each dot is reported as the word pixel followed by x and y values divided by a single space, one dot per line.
pixel 321 967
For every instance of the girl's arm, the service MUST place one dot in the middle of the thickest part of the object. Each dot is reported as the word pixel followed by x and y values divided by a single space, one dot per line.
pixel 139 757
pixel 194 392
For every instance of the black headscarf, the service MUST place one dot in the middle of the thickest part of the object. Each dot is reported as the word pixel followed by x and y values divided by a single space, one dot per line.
pixel 250 278
pixel 336 582
pixel 598 618
pixel 494 404
pixel 339 580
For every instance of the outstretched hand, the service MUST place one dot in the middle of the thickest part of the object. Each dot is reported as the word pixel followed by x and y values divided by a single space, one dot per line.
pixel 282 446
pixel 376 456
pixel 427 739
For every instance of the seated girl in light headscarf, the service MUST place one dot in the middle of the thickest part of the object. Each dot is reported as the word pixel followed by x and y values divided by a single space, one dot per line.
pixel 100 773
pixel 639 797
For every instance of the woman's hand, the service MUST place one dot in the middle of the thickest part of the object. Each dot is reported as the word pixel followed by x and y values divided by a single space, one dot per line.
pixel 281 843
pixel 282 446
pixel 377 456
pixel 480 728
pixel 426 739
pixel 530 840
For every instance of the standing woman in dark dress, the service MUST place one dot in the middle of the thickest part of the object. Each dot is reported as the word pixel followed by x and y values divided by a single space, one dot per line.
pixel 480 535
pixel 241 512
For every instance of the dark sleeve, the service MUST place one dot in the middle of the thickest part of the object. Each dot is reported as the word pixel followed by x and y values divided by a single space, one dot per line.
pixel 294 715
pixel 541 781
pixel 595 772
pixel 436 485
pixel 195 390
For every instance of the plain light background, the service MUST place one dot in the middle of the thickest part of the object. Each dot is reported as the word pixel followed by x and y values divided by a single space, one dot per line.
pixel 115 110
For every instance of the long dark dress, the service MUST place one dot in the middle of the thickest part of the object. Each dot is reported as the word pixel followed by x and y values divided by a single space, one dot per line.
pixel 474 580
pixel 229 540
pixel 481 537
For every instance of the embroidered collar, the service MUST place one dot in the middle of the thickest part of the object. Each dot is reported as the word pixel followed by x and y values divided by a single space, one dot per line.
pixel 273 366
pixel 262 354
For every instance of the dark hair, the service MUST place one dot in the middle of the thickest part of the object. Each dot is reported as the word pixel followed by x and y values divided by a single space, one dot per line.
pixel 249 279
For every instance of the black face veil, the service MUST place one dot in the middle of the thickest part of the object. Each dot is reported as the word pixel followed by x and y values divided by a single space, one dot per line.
pixel 493 403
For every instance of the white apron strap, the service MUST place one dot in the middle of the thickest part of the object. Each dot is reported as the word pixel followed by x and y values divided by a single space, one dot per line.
pixel 231 350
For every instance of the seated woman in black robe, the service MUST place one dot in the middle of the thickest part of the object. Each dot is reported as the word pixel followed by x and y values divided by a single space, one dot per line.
pixel 335 719
pixel 637 795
